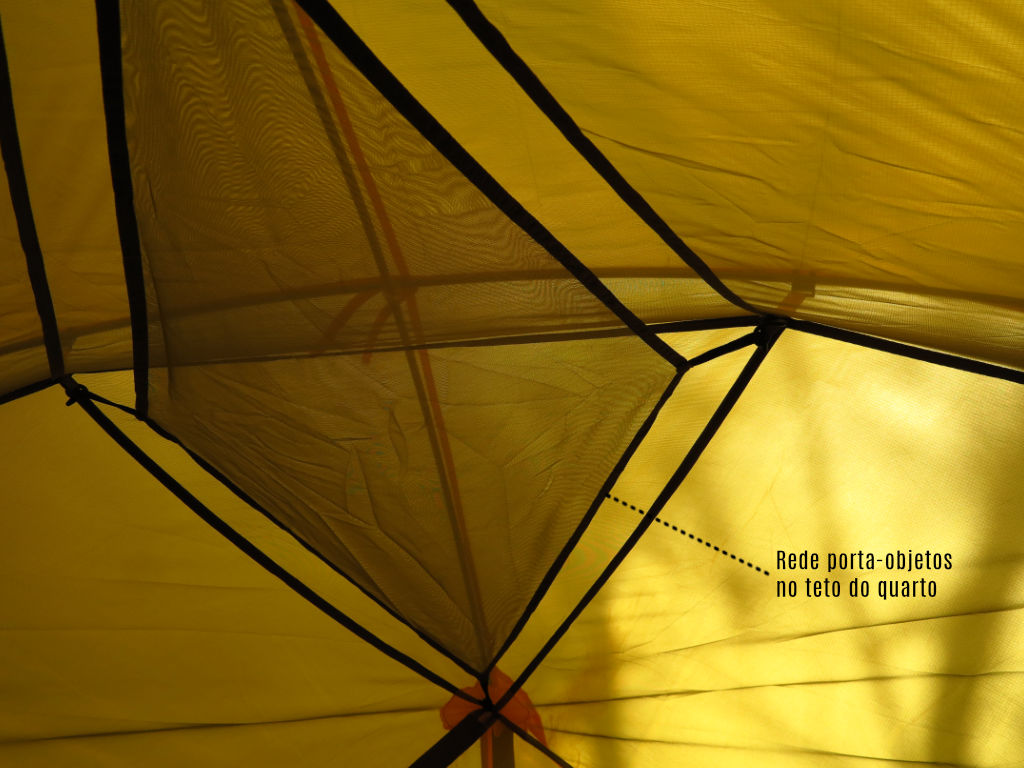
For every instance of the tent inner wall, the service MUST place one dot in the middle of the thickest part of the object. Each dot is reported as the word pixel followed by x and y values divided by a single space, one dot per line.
pixel 395 364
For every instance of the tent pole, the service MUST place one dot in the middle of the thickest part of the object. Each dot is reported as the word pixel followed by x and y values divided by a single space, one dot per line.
pixel 502 749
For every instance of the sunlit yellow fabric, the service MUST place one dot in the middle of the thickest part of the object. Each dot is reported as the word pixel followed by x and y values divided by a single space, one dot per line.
pixel 811 151
pixel 688 658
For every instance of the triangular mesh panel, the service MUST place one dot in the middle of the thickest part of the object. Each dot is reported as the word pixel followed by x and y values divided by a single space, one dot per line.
pixel 354 333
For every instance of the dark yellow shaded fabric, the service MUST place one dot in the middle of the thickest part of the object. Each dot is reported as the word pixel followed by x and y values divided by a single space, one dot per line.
pixel 55 80
pixel 832 163
pixel 321 743
pixel 22 351
pixel 24 365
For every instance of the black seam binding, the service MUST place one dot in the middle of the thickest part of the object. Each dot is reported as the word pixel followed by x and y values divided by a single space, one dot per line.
pixel 108 24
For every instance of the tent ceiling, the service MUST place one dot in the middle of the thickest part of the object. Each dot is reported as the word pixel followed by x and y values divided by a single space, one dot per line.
pixel 419 343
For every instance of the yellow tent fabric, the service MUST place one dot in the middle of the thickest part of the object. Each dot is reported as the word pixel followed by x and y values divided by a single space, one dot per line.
pixel 351 350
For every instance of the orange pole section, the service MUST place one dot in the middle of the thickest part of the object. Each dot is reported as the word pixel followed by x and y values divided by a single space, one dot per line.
pixel 422 356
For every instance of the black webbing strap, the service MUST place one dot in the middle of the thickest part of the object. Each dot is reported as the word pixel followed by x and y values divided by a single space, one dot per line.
pixel 906 350
pixel 108 24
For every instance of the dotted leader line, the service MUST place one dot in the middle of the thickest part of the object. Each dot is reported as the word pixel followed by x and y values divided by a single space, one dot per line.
pixel 698 539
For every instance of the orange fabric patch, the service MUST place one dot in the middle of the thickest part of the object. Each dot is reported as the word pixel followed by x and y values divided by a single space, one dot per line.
pixel 519 710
